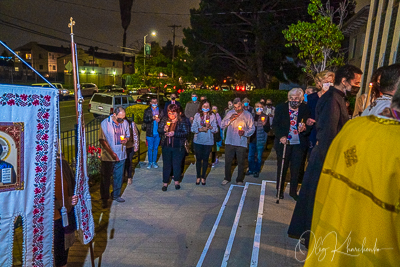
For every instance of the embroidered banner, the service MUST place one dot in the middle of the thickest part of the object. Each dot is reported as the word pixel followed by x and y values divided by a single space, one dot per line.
pixel 28 120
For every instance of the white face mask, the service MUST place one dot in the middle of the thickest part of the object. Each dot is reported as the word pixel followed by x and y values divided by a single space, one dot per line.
pixel 325 86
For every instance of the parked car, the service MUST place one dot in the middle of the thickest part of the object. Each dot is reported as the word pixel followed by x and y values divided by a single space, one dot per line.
pixel 62 92
pixel 104 104
pixel 113 89
pixel 225 87
pixel 88 89
pixel 173 89
pixel 145 99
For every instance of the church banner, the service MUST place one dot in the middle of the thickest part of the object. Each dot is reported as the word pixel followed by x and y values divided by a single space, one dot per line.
pixel 28 137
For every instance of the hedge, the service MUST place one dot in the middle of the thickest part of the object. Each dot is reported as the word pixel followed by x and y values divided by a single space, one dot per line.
pixel 220 99
pixel 136 110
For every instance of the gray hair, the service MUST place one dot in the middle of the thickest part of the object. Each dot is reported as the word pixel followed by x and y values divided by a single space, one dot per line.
pixel 297 92
pixel 237 100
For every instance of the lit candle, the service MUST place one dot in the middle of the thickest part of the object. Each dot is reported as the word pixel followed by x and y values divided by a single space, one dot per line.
pixel 156 116
pixel 168 123
pixel 263 118
pixel 122 137
pixel 207 121
pixel 240 127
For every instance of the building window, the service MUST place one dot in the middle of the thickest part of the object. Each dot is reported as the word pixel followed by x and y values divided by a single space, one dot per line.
pixel 113 64
pixel 28 56
pixel 16 68
pixel 52 56
pixel 40 67
pixel 40 56
pixel 92 62
pixel 54 67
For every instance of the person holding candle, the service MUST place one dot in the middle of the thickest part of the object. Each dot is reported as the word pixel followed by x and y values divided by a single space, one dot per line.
pixel 387 87
pixel 204 126
pixel 290 129
pixel 239 125
pixel 173 131
pixel 258 140
pixel 113 135
pixel 151 117
pixel 217 136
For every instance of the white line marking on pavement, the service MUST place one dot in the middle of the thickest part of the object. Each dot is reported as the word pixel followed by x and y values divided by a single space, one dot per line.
pixel 214 229
pixel 73 115
pixel 257 234
pixel 234 228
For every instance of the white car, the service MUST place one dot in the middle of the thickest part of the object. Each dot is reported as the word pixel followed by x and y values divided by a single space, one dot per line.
pixel 104 104
pixel 62 92
pixel 88 89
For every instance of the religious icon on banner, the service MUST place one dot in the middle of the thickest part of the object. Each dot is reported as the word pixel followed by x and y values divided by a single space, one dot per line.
pixel 11 156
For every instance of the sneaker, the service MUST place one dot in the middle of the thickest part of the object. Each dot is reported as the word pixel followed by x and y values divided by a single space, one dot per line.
pixel 256 175
pixel 224 182
pixel 239 183
pixel 155 165
pixel 249 172
pixel 119 199
pixel 164 188
pixel 149 165
pixel 213 165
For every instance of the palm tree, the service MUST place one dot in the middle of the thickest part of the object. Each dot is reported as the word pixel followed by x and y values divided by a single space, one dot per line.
pixel 125 10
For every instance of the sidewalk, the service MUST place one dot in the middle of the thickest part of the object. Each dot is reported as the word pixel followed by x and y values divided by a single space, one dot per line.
pixel 156 228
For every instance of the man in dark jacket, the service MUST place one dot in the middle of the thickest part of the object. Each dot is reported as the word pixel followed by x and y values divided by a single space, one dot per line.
pixel 172 101
pixel 151 117
pixel 331 114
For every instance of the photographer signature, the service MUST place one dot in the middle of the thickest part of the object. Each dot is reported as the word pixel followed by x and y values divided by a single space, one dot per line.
pixel 321 249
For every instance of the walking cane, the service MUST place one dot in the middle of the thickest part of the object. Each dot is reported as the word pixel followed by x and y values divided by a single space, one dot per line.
pixel 280 178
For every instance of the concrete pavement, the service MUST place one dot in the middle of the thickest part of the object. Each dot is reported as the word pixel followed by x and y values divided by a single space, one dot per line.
pixel 191 226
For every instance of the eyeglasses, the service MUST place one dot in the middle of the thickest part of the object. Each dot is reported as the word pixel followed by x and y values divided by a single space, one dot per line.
pixel 172 113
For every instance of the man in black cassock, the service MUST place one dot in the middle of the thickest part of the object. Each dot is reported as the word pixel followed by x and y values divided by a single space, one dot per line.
pixel 331 115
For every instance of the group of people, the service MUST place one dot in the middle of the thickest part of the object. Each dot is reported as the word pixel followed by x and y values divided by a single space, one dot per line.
pixel 305 128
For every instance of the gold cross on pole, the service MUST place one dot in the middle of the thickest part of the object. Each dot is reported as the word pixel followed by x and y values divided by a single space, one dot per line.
pixel 71 25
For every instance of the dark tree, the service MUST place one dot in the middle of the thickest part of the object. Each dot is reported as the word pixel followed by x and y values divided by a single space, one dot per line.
pixel 243 36
pixel 125 11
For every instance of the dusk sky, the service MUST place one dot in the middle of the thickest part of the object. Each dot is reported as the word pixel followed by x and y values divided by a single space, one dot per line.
pixel 97 20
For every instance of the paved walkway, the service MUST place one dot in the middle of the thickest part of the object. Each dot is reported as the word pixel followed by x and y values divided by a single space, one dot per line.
pixel 210 225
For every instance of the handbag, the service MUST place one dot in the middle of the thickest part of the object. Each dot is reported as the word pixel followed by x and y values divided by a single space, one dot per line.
pixel 217 136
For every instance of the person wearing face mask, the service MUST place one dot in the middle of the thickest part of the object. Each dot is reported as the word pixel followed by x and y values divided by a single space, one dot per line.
pixel 331 114
pixel 258 140
pixel 239 125
pixel 151 117
pixel 173 131
pixel 192 107
pixel 204 127
pixel 217 136
pixel 269 110
pixel 388 88
pixel 229 108
pixel 172 101
pixel 290 129
pixel 113 135
pixel 247 107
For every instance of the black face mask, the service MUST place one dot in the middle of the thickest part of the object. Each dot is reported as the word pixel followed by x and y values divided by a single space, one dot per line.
pixel 294 104
pixel 173 98
pixel 354 90
pixel 269 105
pixel 119 120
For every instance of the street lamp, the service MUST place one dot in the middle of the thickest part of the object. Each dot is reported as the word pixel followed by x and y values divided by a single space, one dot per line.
pixel 153 33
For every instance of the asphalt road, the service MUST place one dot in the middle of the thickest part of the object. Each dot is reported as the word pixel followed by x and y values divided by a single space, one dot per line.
pixel 68 114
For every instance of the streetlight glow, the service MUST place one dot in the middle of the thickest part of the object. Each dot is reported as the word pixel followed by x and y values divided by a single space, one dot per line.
pixel 92 72
pixel 153 33
pixel 114 72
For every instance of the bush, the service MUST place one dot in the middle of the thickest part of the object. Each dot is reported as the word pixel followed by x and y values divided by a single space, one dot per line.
pixel 220 99
pixel 136 110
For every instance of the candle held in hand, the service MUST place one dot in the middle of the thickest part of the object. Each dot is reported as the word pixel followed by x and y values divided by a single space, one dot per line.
pixel 168 123
pixel 263 118
pixel 122 137
pixel 207 121
pixel 240 127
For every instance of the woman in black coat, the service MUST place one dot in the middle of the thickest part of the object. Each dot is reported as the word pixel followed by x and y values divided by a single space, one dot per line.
pixel 290 128
pixel 173 131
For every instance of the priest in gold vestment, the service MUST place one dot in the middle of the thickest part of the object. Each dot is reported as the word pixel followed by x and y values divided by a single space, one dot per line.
pixel 356 219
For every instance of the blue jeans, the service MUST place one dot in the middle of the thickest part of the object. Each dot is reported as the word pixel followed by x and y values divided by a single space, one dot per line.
pixel 116 169
pixel 255 150
pixel 153 143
